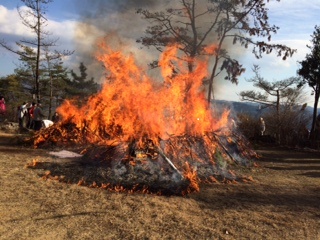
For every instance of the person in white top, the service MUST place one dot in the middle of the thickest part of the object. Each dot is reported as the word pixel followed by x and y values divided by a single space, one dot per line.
pixel 22 113
pixel 262 126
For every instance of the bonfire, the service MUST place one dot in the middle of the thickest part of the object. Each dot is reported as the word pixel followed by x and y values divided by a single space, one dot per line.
pixel 150 135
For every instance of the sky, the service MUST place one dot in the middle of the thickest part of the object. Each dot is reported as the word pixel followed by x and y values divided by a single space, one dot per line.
pixel 68 21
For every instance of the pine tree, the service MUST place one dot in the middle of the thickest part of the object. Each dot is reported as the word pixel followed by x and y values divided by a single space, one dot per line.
pixel 196 25
pixel 310 72
pixel 79 86
pixel 34 17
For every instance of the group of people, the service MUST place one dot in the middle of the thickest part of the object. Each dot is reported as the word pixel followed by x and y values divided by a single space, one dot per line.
pixel 31 116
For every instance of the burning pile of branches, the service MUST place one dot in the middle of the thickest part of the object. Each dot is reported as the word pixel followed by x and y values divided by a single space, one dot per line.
pixel 161 137
pixel 173 166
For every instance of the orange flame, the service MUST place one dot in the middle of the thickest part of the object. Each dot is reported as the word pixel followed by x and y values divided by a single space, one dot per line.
pixel 133 105
pixel 191 175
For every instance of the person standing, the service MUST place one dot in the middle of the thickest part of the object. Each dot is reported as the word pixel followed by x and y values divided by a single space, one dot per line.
pixel 31 110
pixel 2 106
pixel 38 117
pixel 262 126
pixel 22 113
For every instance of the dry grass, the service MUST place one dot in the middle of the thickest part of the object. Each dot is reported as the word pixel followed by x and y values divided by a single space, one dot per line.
pixel 283 202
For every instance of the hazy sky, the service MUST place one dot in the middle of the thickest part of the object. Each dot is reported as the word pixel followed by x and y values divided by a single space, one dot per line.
pixel 295 18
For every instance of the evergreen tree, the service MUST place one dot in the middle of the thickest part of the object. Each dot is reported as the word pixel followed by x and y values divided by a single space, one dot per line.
pixel 34 17
pixel 27 70
pixel 79 86
pixel 12 89
pixel 282 97
pixel 310 72
pixel 55 80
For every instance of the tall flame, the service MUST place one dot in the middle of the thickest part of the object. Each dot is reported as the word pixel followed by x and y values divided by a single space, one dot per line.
pixel 133 105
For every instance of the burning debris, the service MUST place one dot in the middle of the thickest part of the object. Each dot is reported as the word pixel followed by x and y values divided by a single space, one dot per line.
pixel 145 135
pixel 176 166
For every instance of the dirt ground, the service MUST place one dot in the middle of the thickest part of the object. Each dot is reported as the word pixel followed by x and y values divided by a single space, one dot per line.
pixel 283 202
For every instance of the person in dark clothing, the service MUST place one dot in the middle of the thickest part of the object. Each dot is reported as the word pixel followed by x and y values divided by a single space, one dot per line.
pixel 55 118
pixel 38 117
pixel 31 120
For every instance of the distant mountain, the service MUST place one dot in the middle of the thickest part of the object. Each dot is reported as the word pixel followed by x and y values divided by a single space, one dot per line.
pixel 253 109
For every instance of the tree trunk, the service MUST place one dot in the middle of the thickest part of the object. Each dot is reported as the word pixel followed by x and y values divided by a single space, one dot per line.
pixel 210 88
pixel 214 69
pixel 38 51
pixel 314 130
pixel 51 88
pixel 278 117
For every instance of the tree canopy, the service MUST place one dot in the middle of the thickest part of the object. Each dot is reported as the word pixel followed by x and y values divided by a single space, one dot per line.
pixel 34 18
pixel 274 93
pixel 310 71
pixel 283 98
pixel 79 85
pixel 208 28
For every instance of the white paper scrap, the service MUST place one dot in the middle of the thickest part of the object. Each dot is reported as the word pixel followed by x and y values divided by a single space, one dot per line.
pixel 65 154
